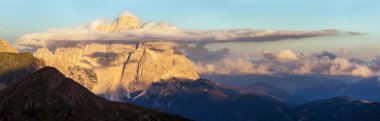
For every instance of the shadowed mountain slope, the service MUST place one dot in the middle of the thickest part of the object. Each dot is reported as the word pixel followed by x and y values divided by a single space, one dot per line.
pixel 14 66
pixel 204 100
pixel 339 109
pixel 49 95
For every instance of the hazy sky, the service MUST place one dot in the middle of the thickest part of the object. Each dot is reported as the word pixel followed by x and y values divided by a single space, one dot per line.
pixel 19 17
pixel 24 16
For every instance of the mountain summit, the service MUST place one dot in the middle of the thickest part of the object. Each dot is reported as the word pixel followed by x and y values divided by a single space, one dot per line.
pixel 124 23
pixel 5 47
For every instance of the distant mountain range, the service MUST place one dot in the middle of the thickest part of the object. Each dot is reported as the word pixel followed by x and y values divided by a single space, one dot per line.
pixel 274 92
pixel 204 100
pixel 308 87
pixel 339 109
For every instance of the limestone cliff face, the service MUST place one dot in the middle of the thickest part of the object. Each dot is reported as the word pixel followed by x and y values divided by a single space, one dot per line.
pixel 5 47
pixel 124 23
pixel 121 70
pixel 83 76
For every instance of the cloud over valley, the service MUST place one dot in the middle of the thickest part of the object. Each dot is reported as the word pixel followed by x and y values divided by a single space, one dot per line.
pixel 288 62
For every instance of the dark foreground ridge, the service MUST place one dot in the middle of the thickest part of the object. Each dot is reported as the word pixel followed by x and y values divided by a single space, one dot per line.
pixel 48 95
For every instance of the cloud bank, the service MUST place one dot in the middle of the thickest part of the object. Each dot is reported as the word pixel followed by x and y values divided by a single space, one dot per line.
pixel 214 62
pixel 158 31
pixel 288 62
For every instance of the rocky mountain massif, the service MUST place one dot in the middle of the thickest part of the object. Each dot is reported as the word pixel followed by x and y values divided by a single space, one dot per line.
pixel 120 70
pixel 48 95
pixel 339 109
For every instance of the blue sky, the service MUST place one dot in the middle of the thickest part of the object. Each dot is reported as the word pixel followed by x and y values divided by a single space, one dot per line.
pixel 18 17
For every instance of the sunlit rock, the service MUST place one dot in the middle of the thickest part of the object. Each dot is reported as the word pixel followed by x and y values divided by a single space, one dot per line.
pixel 124 23
pixel 121 70
pixel 5 47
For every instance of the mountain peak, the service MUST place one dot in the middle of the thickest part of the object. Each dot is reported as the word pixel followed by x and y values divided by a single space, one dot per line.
pixel 127 14
pixel 126 22
pixel 5 47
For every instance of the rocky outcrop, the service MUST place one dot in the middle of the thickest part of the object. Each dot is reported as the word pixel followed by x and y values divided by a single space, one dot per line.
pixel 5 47
pixel 121 70
pixel 124 23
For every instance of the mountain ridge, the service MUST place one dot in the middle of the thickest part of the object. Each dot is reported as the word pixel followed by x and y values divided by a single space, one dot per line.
pixel 49 95
pixel 126 22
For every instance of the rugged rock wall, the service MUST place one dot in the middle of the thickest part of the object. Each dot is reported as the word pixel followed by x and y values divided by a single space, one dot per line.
pixel 120 70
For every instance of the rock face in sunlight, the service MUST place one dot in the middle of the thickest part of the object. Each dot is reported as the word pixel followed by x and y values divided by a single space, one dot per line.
pixel 120 70
pixel 5 47
pixel 83 76
pixel 124 23
pixel 47 95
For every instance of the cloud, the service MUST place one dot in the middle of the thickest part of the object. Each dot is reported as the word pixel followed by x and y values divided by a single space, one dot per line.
pixel 199 52
pixel 2 30
pixel 232 65
pixel 280 56
pixel 286 61
pixel 157 31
